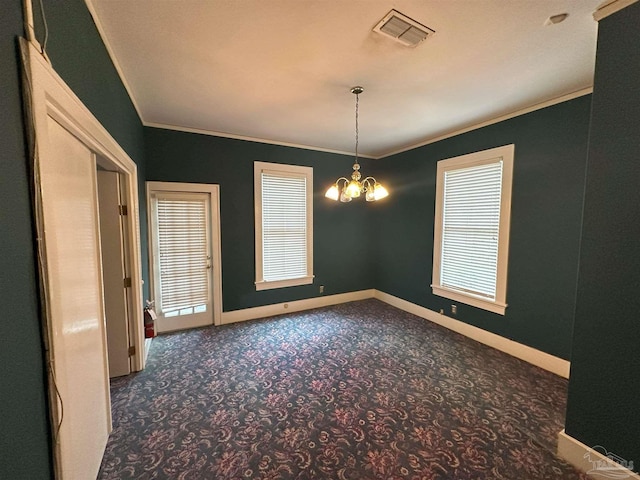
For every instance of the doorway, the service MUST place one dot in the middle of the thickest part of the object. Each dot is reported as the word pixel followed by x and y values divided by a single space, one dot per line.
pixel 184 247
pixel 68 144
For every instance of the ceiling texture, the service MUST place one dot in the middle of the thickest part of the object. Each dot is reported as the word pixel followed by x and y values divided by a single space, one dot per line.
pixel 280 71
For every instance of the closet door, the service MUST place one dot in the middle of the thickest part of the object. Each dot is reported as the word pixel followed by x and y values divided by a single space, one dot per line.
pixel 82 416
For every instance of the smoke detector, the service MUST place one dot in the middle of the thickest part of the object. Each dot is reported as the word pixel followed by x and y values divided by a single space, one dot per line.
pixel 403 29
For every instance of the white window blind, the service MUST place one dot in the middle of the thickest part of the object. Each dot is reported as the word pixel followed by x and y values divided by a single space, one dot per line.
pixel 182 245
pixel 284 226
pixel 471 229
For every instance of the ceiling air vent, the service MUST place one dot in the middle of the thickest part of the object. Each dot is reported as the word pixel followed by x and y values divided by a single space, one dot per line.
pixel 403 29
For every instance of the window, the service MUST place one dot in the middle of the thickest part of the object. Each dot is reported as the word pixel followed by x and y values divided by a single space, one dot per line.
pixel 284 225
pixel 471 232
pixel 182 242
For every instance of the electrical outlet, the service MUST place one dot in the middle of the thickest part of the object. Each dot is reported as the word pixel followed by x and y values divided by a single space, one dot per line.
pixel 454 309
pixel 321 288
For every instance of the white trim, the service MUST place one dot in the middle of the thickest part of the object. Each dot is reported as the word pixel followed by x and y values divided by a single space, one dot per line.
pixel 48 96
pixel 579 455
pixel 292 282
pixel 216 246
pixel 610 7
pixel 505 154
pixel 478 302
pixel 283 170
pixel 294 306
pixel 55 98
pixel 27 8
pixel 516 113
pixel 531 355
pixel 114 59
pixel 246 138
pixel 547 103
pixel 538 106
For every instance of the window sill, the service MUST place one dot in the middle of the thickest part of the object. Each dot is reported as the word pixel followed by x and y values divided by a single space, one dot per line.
pixel 495 307
pixel 267 285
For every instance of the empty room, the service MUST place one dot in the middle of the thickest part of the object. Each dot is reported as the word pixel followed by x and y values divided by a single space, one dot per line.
pixel 320 239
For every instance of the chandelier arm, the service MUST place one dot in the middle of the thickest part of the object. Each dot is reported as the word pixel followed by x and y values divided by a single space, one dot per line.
pixel 355 187
pixel 370 181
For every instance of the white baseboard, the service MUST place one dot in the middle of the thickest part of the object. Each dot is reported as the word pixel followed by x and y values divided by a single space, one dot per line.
pixel 294 306
pixel 531 355
pixel 540 359
pixel 594 461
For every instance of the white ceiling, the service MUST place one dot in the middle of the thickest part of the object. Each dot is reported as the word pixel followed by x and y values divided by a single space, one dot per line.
pixel 280 70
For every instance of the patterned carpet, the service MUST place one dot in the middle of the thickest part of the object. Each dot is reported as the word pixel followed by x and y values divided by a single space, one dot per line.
pixel 355 391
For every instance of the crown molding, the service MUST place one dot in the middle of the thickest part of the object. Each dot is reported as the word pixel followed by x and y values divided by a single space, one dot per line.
pixel 501 118
pixel 114 60
pixel 609 7
pixel 604 10
pixel 516 113
pixel 246 138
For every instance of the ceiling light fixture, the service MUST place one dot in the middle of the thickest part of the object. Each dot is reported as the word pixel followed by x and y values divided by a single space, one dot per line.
pixel 354 188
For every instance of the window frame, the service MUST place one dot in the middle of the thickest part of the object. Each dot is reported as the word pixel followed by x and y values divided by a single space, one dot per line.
pixel 285 170
pixel 506 153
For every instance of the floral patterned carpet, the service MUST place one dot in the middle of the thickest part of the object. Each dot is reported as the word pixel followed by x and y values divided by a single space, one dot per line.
pixel 355 391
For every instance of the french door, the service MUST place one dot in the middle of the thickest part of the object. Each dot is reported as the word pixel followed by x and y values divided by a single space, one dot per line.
pixel 184 232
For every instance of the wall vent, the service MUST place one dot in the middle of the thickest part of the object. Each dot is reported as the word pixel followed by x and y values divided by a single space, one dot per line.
pixel 403 29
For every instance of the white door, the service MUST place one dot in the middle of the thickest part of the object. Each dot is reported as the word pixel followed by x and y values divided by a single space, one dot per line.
pixel 67 172
pixel 68 141
pixel 182 259
pixel 116 302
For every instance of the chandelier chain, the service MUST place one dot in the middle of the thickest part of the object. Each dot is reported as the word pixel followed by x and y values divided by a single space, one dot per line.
pixel 357 131
pixel 346 190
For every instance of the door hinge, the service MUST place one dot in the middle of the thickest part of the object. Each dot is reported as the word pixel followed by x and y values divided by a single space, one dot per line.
pixel 127 282
pixel 123 210
pixel 132 350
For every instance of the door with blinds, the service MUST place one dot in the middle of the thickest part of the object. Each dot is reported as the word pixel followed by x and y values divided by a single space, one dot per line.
pixel 183 263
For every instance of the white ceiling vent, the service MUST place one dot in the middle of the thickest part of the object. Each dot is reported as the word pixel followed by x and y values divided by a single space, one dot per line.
pixel 403 29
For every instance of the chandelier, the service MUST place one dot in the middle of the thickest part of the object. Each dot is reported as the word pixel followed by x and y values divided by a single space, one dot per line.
pixel 345 189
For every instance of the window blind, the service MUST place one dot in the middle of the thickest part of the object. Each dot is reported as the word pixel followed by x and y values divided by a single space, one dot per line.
pixel 471 228
pixel 182 249
pixel 284 226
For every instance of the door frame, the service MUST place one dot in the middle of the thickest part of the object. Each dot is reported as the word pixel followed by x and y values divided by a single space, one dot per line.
pixel 216 250
pixel 47 95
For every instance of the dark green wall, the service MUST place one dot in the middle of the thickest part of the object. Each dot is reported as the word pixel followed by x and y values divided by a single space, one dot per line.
pixel 351 252
pixel 342 260
pixel 79 56
pixel 548 183
pixel 604 387
pixel 24 426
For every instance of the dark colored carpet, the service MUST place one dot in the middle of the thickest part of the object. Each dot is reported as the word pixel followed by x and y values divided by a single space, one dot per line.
pixel 356 391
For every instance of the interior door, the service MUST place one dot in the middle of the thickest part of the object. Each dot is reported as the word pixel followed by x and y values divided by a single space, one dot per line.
pixel 113 272
pixel 67 174
pixel 182 259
